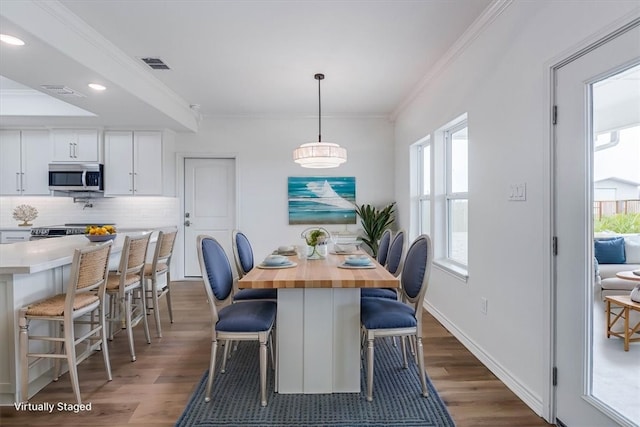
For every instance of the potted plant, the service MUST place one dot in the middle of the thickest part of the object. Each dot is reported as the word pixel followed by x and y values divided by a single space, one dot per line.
pixel 374 221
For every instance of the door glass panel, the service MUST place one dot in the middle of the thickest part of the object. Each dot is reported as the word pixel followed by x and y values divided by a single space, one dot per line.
pixel 615 373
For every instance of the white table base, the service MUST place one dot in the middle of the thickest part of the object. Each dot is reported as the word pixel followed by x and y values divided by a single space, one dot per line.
pixel 318 339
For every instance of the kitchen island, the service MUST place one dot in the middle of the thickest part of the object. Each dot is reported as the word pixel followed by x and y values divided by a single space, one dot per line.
pixel 30 271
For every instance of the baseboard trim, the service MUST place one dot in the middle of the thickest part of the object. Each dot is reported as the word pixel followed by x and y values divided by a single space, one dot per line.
pixel 529 398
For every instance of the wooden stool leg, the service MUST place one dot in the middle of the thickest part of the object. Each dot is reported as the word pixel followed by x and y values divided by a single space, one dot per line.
pixel 608 318
pixel 627 332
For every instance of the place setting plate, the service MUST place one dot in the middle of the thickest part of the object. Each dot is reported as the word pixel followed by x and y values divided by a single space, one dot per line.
pixel 285 251
pixel 356 267
pixel 357 262
pixel 276 261
pixel 343 249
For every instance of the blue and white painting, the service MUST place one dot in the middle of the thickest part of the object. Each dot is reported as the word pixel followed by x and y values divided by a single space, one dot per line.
pixel 322 200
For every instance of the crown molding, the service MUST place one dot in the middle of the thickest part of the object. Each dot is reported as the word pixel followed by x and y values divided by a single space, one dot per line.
pixel 464 41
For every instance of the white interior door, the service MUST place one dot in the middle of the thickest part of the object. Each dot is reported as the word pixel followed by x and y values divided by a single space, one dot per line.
pixel 209 206
pixel 573 224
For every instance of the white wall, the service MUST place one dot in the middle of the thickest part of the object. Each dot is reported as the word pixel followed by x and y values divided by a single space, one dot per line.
pixel 500 81
pixel 263 148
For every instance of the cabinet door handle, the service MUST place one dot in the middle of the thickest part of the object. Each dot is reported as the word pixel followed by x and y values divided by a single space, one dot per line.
pixel 22 187
pixel 18 182
pixel 75 150
pixel 130 183
pixel 71 149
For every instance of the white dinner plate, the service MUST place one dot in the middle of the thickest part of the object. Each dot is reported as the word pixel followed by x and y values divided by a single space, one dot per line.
pixel 356 267
pixel 285 265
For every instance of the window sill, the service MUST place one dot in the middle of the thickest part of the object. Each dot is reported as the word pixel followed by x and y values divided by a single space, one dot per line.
pixel 454 270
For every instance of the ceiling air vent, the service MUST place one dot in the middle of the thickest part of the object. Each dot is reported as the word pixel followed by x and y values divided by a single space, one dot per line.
pixel 62 90
pixel 155 63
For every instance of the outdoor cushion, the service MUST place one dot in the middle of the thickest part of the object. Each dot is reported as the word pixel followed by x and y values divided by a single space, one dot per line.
pixel 610 251
pixel 632 249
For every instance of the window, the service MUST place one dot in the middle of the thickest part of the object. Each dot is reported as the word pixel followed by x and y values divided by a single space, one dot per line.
pixel 439 194
pixel 424 187
pixel 456 194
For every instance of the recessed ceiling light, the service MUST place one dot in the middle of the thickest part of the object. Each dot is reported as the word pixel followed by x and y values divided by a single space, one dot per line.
pixel 6 38
pixel 96 86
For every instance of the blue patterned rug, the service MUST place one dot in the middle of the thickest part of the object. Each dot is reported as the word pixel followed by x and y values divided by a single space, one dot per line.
pixel 236 398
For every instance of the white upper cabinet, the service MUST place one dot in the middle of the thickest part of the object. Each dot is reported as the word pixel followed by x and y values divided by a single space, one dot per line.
pixel 24 163
pixel 70 145
pixel 133 163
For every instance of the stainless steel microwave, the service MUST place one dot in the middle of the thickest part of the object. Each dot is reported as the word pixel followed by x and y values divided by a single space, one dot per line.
pixel 76 177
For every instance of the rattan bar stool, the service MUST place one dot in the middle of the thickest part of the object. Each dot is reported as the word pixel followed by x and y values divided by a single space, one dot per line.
pixel 84 298
pixel 126 291
pixel 157 275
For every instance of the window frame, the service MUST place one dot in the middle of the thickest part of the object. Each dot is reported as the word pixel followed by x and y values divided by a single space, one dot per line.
pixel 450 195
pixel 424 196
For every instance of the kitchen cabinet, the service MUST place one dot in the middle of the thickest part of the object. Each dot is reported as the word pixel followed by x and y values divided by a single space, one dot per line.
pixel 14 236
pixel 24 162
pixel 133 163
pixel 75 145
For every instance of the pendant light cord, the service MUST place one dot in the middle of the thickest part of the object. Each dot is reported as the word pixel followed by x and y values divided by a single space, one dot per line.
pixel 319 109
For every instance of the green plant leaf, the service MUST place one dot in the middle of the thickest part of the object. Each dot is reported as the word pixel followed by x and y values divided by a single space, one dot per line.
pixel 374 221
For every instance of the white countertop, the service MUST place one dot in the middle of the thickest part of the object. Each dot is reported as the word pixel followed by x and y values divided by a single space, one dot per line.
pixel 43 254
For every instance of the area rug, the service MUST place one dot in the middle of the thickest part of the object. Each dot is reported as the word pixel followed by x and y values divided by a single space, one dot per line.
pixel 236 398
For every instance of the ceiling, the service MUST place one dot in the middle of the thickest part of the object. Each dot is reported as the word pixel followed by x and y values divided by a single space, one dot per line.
pixel 227 58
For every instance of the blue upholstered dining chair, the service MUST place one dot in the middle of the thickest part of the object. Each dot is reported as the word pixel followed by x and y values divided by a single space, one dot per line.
pixel 383 247
pixel 249 321
pixel 394 258
pixel 396 253
pixel 381 317
pixel 243 256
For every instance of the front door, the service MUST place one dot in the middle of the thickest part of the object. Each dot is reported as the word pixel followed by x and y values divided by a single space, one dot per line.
pixel 209 206
pixel 579 320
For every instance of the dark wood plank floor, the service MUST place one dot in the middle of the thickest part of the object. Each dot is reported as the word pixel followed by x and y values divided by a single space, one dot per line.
pixel 154 390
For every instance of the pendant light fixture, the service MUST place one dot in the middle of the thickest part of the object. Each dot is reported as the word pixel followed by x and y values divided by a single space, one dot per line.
pixel 319 155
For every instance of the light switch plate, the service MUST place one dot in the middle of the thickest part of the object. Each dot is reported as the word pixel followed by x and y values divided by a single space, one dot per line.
pixel 517 192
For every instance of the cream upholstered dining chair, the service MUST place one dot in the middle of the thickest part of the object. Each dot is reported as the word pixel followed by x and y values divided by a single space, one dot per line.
pixel 382 317
pixel 127 299
pixel 84 298
pixel 248 321
pixel 157 275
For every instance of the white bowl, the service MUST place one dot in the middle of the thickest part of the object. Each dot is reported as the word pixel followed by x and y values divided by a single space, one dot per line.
pixel 275 260
pixel 286 248
pixel 357 260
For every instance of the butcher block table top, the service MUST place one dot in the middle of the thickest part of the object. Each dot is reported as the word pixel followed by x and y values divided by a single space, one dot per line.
pixel 319 273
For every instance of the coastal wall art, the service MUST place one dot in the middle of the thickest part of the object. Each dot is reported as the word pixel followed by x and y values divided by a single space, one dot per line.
pixel 322 200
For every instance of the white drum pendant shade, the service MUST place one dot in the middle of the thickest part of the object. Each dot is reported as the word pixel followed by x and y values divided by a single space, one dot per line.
pixel 319 155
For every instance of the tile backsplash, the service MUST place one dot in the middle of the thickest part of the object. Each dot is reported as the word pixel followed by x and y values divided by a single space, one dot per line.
pixel 125 212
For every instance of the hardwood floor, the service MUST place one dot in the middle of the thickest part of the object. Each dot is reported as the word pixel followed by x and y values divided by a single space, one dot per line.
pixel 154 390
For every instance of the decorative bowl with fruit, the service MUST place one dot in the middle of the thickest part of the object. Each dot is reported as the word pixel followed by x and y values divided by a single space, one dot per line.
pixel 100 233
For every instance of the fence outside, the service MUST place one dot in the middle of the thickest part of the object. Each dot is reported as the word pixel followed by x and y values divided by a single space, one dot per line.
pixel 605 208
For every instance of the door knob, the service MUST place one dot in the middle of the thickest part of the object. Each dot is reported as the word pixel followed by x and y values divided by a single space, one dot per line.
pixel 187 223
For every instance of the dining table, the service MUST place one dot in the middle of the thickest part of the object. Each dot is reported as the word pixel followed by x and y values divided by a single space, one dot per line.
pixel 318 320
